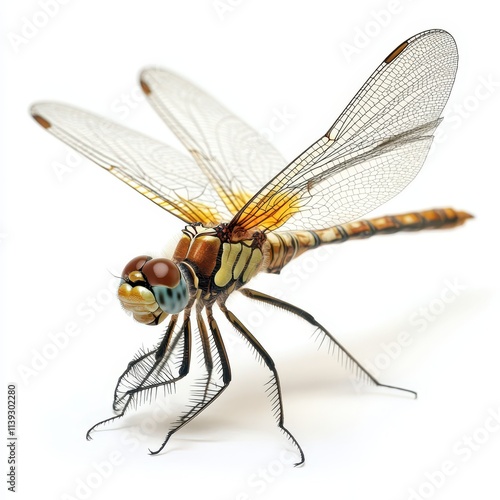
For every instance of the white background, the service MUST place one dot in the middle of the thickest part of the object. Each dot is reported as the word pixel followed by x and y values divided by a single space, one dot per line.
pixel 67 226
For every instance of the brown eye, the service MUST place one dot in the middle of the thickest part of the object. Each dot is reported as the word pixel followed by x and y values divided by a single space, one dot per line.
pixel 135 265
pixel 161 272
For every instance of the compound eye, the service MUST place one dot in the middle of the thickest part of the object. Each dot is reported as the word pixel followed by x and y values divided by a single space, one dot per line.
pixel 161 272
pixel 135 265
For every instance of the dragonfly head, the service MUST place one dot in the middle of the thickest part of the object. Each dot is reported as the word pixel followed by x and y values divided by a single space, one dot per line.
pixel 152 289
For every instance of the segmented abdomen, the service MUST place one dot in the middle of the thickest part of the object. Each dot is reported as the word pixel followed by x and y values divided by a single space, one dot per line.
pixel 285 246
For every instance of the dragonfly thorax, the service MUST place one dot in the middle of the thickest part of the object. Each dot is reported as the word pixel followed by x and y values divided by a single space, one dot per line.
pixel 220 265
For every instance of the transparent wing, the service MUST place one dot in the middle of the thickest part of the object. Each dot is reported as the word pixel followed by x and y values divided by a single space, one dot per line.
pixel 373 150
pixel 234 157
pixel 165 176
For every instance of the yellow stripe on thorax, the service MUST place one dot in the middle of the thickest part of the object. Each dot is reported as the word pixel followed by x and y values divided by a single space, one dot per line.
pixel 237 258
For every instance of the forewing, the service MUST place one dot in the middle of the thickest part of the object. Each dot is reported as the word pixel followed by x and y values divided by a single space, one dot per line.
pixel 373 150
pixel 165 176
pixel 235 158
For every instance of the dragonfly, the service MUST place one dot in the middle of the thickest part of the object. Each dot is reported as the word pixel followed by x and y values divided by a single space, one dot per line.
pixel 246 211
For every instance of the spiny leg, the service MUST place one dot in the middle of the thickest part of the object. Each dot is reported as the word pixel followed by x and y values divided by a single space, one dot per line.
pixel 136 364
pixel 148 374
pixel 211 344
pixel 206 354
pixel 157 365
pixel 358 368
pixel 222 366
pixel 162 353
pixel 274 388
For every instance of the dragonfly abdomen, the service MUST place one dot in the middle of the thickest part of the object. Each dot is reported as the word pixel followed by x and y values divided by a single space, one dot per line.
pixel 284 247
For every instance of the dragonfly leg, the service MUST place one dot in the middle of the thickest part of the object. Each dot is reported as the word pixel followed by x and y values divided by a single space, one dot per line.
pixel 215 356
pixel 273 386
pixel 140 362
pixel 355 365
pixel 206 353
pixel 150 371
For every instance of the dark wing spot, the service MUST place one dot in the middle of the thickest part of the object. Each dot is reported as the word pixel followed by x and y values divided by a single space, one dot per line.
pixel 145 87
pixel 395 53
pixel 42 121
